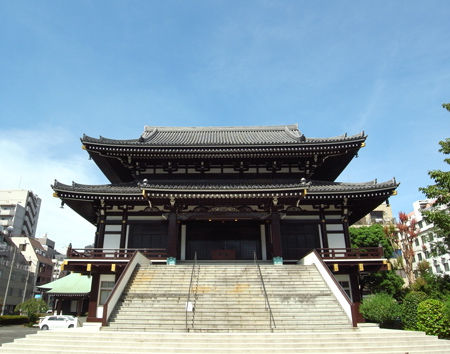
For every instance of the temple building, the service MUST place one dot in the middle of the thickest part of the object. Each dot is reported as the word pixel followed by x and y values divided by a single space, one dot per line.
pixel 225 194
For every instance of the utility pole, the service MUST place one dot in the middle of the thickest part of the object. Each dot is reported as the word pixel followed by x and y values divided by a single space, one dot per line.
pixel 26 282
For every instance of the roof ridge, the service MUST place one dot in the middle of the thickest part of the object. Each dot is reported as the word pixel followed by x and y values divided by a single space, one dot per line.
pixel 149 128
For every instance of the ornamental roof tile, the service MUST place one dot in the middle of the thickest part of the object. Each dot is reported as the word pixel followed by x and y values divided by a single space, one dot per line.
pixel 221 136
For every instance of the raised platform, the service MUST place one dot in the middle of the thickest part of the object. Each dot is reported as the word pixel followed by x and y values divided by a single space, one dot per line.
pixel 365 340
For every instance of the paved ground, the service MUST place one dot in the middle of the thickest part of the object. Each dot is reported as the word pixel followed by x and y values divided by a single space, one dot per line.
pixel 9 333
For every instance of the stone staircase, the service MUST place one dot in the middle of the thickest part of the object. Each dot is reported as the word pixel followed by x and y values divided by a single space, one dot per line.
pixel 301 300
pixel 155 299
pixel 75 341
pixel 227 298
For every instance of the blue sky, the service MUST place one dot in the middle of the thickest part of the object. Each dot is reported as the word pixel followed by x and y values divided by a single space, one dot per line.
pixel 110 67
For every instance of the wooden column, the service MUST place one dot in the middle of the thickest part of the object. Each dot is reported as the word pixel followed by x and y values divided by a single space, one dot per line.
pixel 93 296
pixel 123 230
pixel 59 306
pixel 346 232
pixel 79 306
pixel 172 241
pixel 100 235
pixel 323 228
pixel 356 293
pixel 276 235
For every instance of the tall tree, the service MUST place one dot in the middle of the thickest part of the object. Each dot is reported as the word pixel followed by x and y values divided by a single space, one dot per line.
pixel 439 213
pixel 404 236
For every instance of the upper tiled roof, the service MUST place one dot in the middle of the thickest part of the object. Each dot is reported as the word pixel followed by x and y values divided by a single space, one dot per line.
pixel 221 136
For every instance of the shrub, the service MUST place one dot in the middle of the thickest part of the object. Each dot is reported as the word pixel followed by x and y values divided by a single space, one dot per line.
pixel 381 308
pixel 432 318
pixel 32 306
pixel 409 309
pixel 13 319
pixel 447 307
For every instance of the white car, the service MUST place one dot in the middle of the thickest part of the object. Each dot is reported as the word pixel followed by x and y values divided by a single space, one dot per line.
pixel 58 321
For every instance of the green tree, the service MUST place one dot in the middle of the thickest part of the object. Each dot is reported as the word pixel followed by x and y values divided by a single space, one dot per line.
pixel 439 213
pixel 370 236
pixel 384 282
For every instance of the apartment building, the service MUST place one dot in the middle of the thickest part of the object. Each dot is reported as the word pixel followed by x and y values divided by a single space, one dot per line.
pixel 19 209
pixel 439 264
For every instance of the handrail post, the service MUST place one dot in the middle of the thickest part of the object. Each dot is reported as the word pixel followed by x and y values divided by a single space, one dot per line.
pixel 189 291
pixel 266 298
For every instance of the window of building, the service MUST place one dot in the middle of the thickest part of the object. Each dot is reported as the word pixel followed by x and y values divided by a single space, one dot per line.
pixel 376 216
pixel 446 267
pixel 344 282
pixel 438 269
pixel 105 289
pixel 419 256
pixel 416 241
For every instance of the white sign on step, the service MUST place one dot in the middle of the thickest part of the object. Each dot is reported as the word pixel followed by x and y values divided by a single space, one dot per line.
pixel 189 306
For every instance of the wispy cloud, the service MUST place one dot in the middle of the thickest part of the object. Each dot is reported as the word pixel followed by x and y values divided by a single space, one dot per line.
pixel 32 160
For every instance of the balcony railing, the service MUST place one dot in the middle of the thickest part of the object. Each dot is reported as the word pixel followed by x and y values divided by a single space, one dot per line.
pixel 114 253
pixel 336 253
pixel 359 253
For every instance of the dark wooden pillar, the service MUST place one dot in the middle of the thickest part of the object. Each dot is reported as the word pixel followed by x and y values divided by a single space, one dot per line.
pixel 356 293
pixel 276 235
pixel 172 241
pixel 323 228
pixel 354 283
pixel 100 235
pixel 346 232
pixel 93 296
pixel 79 306
pixel 123 230
pixel 59 306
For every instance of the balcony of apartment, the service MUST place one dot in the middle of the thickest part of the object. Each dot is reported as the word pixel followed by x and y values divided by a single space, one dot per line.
pixel 6 212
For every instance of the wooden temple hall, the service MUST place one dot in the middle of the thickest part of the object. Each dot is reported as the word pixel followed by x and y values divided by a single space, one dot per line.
pixel 228 194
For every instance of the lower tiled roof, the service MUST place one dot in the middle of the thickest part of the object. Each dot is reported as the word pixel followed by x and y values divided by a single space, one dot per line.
pixel 217 186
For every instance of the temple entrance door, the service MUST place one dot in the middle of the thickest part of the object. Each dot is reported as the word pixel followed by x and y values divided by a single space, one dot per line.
pixel 223 240
pixel 298 238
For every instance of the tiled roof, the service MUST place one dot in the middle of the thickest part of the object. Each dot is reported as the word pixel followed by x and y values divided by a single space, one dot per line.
pixel 72 284
pixel 221 136
pixel 135 188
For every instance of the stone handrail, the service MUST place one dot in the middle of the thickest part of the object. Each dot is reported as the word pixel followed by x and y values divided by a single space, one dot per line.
pixel 349 308
pixel 119 287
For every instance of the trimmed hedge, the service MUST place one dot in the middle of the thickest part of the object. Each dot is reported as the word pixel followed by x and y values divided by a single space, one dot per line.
pixel 381 308
pixel 432 318
pixel 13 319
pixel 409 309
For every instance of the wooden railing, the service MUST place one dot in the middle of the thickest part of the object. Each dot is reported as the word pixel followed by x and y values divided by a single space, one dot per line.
pixel 102 253
pixel 360 253
pixel 336 253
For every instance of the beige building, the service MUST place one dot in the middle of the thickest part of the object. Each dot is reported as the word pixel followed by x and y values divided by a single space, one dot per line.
pixel 382 214
pixel 19 209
